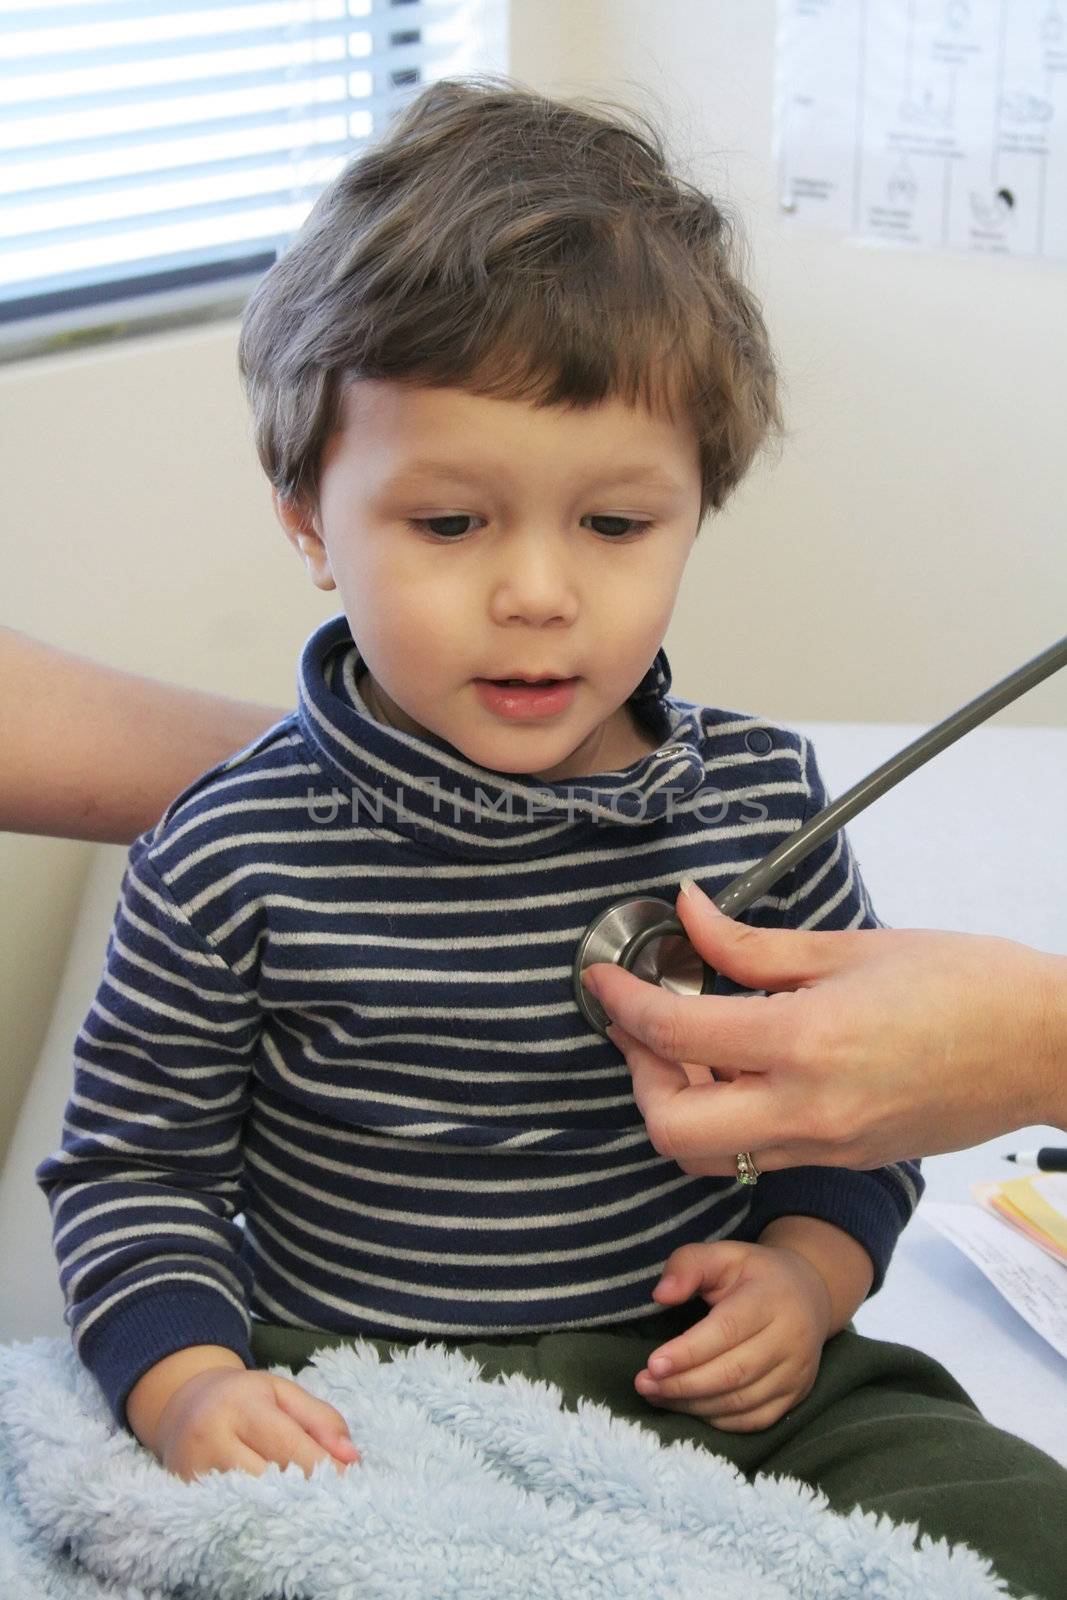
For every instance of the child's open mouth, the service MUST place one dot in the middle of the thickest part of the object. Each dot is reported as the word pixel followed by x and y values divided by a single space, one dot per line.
pixel 516 699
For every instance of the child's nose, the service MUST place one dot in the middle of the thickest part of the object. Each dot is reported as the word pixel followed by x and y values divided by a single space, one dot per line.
pixel 537 581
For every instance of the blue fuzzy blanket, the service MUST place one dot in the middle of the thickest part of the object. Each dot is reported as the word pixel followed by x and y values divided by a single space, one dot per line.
pixel 466 1489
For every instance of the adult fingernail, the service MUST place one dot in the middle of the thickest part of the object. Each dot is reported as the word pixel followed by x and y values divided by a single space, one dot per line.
pixel 659 1365
pixel 589 982
pixel 693 892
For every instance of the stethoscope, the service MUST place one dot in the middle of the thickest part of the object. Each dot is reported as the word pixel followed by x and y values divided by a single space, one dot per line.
pixel 642 933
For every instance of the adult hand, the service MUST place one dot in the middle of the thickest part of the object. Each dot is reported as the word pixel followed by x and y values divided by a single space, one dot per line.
pixel 876 1046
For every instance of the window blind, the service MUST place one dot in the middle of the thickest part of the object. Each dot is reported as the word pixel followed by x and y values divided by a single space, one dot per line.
pixel 147 145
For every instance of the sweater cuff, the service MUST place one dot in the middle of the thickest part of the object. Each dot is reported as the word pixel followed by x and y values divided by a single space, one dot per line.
pixel 131 1338
pixel 861 1203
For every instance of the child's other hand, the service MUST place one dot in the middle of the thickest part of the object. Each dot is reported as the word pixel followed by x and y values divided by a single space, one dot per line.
pixel 229 1417
pixel 756 1353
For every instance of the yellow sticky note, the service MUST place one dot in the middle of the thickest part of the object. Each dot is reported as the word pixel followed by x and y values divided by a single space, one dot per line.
pixel 1025 1196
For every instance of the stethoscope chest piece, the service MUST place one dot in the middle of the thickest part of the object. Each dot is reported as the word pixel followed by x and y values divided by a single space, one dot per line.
pixel 642 934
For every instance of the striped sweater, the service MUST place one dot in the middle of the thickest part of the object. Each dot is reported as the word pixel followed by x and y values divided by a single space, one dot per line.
pixel 334 1075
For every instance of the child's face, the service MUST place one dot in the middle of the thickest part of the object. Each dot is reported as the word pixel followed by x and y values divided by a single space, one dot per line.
pixel 526 569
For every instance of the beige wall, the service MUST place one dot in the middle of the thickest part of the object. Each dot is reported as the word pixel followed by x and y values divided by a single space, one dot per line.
pixel 910 546
pixel 907 550
pixel 136 528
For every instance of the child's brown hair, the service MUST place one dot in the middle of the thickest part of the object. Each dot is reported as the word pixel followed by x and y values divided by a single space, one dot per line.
pixel 514 246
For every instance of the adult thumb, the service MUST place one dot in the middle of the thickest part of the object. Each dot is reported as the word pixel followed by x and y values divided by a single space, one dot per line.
pixel 757 958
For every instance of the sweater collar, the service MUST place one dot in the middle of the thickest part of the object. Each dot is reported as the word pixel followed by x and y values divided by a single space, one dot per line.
pixel 424 788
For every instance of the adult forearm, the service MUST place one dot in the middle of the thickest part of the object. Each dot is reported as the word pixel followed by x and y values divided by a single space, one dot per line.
pixel 1051 1104
pixel 148 1398
pixel 90 752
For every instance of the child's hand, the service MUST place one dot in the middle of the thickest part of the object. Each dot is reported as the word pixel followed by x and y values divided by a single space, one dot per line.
pixel 235 1417
pixel 757 1351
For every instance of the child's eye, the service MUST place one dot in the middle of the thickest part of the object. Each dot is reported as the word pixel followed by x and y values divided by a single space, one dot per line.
pixel 632 525
pixel 433 525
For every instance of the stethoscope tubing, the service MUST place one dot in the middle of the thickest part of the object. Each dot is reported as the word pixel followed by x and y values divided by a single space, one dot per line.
pixel 748 886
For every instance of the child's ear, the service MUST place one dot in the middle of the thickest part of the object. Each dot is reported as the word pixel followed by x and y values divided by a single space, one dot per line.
pixel 301 530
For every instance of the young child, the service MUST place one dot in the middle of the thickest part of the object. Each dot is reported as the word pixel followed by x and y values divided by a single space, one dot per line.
pixel 499 378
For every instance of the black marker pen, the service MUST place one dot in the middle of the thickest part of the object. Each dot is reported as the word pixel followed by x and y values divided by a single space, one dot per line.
pixel 1049 1159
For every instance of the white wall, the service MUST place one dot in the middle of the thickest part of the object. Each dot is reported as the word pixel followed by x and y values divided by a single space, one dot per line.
pixel 907 551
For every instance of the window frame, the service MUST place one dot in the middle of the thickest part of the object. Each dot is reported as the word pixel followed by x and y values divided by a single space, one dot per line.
pixel 138 304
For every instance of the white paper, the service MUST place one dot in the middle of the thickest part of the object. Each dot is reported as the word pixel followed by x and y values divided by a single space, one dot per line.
pixel 1029 1280
pixel 931 123
pixel 1052 1187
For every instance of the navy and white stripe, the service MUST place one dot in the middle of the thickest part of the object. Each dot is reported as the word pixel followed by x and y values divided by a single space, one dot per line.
pixel 334 1075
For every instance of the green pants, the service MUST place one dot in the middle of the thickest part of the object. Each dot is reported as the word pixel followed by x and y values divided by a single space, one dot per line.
pixel 885 1428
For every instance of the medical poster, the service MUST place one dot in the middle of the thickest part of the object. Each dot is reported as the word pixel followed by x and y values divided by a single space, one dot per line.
pixel 937 124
